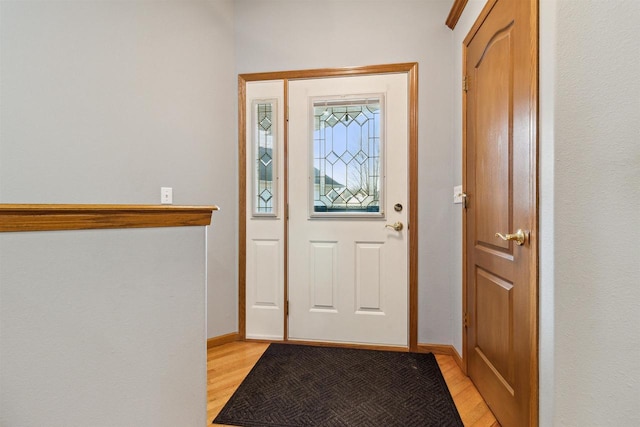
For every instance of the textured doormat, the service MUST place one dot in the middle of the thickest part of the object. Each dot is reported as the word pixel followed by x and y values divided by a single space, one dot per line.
pixel 296 385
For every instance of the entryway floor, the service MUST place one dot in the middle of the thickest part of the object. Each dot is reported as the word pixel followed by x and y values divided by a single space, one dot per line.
pixel 229 364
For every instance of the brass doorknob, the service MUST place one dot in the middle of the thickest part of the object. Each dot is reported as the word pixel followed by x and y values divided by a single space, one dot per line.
pixel 396 226
pixel 519 237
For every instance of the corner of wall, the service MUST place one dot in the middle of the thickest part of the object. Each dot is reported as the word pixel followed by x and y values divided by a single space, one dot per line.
pixel 546 140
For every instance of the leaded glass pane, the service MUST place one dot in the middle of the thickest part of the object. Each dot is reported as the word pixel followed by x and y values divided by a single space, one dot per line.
pixel 346 156
pixel 264 158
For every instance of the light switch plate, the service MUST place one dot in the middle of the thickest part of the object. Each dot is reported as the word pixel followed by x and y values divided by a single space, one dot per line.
pixel 457 194
pixel 166 195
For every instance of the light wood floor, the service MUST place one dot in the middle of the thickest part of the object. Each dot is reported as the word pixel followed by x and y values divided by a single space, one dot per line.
pixel 229 364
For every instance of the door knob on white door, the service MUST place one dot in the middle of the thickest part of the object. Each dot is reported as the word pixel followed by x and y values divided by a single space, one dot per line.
pixel 396 226
pixel 519 237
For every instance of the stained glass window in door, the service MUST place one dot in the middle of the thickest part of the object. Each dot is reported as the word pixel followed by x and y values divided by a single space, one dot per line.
pixel 264 157
pixel 347 159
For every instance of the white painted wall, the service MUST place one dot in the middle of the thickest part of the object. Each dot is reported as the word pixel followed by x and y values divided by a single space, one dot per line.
pixel 103 328
pixel 546 142
pixel 596 193
pixel 467 19
pixel 273 35
pixel 107 101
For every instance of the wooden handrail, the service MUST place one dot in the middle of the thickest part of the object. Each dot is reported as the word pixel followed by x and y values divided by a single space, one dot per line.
pixel 454 14
pixel 46 217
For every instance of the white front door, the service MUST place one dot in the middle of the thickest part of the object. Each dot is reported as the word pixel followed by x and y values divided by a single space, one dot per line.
pixel 347 185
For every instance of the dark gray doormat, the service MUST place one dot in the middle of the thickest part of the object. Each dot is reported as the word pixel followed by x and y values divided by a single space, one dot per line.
pixel 296 385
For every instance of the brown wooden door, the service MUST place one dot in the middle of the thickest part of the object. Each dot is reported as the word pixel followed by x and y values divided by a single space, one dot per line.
pixel 500 182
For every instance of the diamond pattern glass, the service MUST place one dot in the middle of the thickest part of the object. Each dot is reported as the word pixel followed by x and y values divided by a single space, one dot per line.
pixel 264 152
pixel 346 160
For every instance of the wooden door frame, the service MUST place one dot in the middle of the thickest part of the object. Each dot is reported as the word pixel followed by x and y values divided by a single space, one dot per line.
pixel 533 202
pixel 411 68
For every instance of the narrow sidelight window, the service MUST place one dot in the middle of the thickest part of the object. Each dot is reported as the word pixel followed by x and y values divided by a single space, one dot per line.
pixel 265 174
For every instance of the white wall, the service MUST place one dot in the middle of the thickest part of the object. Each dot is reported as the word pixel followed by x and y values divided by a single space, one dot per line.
pixel 103 328
pixel 107 101
pixel 546 142
pixel 274 35
pixel 467 19
pixel 596 216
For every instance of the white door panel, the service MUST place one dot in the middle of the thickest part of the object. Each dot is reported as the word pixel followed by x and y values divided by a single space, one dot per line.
pixel 264 210
pixel 348 273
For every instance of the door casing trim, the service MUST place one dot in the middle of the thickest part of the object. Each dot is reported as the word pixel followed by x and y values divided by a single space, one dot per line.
pixel 411 68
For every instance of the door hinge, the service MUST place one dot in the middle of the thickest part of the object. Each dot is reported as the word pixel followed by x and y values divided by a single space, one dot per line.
pixel 465 83
pixel 286 308
pixel 465 320
pixel 287 211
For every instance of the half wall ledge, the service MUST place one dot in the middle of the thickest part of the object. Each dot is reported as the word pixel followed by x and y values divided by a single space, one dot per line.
pixel 49 217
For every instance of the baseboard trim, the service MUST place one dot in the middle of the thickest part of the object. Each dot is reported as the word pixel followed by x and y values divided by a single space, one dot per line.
pixel 223 339
pixel 446 349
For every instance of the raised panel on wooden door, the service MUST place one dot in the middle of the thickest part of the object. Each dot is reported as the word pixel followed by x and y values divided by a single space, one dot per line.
pixel 493 74
pixel 494 317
